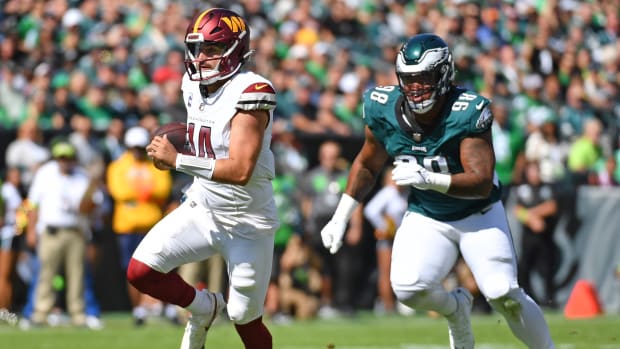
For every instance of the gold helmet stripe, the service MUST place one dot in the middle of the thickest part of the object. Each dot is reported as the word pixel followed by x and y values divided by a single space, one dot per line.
pixel 197 23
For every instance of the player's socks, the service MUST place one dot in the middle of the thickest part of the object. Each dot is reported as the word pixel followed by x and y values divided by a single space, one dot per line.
pixel 201 303
pixel 255 334
pixel 525 319
pixel 169 288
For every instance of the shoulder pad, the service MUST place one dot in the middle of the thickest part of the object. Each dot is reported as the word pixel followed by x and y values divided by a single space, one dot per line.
pixel 257 96
pixel 474 110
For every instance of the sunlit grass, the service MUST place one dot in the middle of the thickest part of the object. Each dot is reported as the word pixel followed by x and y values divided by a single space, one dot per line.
pixel 363 331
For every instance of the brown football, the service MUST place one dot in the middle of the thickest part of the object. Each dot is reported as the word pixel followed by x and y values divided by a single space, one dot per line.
pixel 176 132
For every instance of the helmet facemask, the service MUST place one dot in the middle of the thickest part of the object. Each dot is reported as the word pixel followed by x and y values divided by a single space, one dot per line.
pixel 211 51
pixel 420 90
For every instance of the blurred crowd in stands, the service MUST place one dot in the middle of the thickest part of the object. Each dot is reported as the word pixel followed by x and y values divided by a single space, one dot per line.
pixel 87 71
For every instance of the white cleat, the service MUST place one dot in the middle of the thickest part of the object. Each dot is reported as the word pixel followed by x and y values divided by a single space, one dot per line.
pixel 198 324
pixel 459 325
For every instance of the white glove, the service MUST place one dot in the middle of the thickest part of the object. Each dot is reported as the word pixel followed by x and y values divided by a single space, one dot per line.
pixel 410 173
pixel 332 235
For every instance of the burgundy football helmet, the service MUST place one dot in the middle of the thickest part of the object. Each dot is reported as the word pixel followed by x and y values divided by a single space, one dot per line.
pixel 217 43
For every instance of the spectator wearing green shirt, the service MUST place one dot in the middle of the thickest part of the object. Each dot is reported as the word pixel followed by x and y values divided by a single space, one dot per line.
pixel 586 151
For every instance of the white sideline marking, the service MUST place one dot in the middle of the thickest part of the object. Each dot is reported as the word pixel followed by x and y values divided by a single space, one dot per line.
pixel 430 346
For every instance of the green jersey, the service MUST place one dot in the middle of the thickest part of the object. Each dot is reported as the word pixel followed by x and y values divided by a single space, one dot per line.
pixel 464 114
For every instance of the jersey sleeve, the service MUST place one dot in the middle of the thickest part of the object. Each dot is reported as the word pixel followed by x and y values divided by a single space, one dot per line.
pixel 257 96
pixel 378 108
pixel 370 111
pixel 482 118
pixel 367 113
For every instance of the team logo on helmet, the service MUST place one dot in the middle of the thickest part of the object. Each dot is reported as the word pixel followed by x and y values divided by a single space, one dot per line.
pixel 217 43
pixel 236 24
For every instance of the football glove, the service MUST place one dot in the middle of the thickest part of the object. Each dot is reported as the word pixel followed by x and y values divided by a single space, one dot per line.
pixel 411 173
pixel 332 235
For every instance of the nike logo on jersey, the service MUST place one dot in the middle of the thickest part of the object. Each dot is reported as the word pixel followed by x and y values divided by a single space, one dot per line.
pixel 259 88
pixel 479 105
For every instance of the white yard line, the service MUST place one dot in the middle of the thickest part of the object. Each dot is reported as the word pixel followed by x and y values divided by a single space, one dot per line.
pixel 427 346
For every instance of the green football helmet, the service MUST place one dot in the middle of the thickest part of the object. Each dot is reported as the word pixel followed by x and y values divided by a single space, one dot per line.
pixel 425 71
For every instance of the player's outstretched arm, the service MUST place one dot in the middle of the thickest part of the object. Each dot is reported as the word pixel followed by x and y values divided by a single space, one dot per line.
pixel 366 167
pixel 364 172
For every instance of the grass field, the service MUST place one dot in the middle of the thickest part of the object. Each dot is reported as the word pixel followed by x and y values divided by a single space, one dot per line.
pixel 361 332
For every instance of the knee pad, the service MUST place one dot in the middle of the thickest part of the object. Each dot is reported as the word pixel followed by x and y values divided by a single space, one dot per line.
pixel 242 314
pixel 246 306
pixel 243 277
pixel 495 286
pixel 508 304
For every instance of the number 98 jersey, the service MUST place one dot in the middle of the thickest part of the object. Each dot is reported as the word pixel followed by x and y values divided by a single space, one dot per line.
pixel 209 124
pixel 464 114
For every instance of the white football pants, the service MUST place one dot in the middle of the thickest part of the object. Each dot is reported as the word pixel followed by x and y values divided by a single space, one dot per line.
pixel 190 234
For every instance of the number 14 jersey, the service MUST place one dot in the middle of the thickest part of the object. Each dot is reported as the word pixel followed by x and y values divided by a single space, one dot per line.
pixel 209 123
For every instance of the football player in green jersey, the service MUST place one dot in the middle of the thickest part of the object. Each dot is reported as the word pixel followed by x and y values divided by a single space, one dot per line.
pixel 439 137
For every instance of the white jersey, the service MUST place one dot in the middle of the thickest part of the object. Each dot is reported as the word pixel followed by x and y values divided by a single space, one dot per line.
pixel 209 122
pixel 12 200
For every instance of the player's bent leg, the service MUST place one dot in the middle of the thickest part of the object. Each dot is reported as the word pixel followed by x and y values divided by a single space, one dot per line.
pixel 524 317
pixel 167 287
pixel 250 270
pixel 183 236
pixel 417 271
pixel 495 272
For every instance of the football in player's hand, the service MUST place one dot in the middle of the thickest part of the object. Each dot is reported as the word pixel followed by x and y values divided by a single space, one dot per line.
pixel 176 132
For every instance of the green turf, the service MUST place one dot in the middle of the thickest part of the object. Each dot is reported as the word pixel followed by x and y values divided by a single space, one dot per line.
pixel 361 332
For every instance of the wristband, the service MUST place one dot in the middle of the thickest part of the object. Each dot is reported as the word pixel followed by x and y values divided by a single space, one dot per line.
pixel 440 182
pixel 200 167
pixel 345 208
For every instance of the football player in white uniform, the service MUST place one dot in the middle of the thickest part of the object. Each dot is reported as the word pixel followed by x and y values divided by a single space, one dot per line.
pixel 229 207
